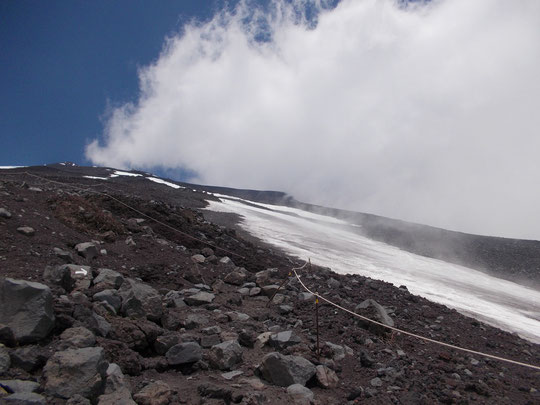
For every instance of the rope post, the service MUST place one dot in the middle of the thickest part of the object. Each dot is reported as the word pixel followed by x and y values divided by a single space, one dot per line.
pixel 279 288
pixel 317 325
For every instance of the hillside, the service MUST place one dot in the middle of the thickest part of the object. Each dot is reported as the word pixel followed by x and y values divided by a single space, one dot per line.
pixel 186 309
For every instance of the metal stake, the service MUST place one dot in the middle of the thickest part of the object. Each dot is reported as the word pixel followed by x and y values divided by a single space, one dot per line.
pixel 317 325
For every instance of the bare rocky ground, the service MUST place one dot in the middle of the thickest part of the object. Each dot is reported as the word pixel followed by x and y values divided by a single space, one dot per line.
pixel 128 310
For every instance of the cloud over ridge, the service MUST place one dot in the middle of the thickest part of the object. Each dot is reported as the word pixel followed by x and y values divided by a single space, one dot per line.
pixel 425 112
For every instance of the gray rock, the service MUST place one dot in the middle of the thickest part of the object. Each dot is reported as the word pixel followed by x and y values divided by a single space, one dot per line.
pixel 376 382
pixel 88 250
pixel 115 380
pixel 225 355
pixel 76 371
pixel 26 230
pixel 6 335
pixel 300 395
pixel 254 291
pixel 16 386
pixel 333 283
pixel 285 309
pixel 184 353
pixel 210 340
pixel 380 313
pixel 201 298
pixel 270 290
pixel 24 398
pixel 236 277
pixel 175 299
pixel 82 275
pixel 77 337
pixel 226 261
pixel 119 397
pixel 27 309
pixel 210 390
pixel 98 325
pixel 164 342
pixel 211 330
pixel 198 258
pixel 78 400
pixel 285 339
pixel 155 393
pixel 63 254
pixel 111 297
pixel 28 358
pixel 69 276
pixel 5 360
pixel 243 291
pixel 326 378
pixel 264 277
pixel 286 370
pixel 338 352
pixel 305 296
pixel 236 316
pixel 59 275
pixel 5 213
pixel 207 252
pixel 140 300
pixel 108 279
pixel 195 321
pixel 232 374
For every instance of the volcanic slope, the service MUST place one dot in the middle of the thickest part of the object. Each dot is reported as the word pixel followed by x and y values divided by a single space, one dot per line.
pixel 206 329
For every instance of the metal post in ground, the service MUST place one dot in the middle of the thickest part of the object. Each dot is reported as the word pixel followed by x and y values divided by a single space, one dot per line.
pixel 317 325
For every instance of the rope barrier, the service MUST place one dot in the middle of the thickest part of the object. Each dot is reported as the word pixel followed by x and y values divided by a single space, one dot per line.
pixel 129 207
pixel 317 295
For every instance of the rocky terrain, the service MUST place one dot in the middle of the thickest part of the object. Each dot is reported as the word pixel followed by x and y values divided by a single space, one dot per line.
pixel 123 292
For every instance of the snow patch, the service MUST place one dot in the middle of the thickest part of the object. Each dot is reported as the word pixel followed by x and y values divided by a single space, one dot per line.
pixel 11 167
pixel 96 178
pixel 121 173
pixel 167 183
pixel 332 243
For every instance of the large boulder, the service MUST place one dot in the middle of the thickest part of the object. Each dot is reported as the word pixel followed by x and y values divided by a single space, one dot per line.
pixel 225 355
pixel 76 371
pixel 77 337
pixel 27 309
pixel 184 353
pixel 282 340
pixel 29 358
pixel 140 300
pixel 372 309
pixel 111 297
pixel 300 395
pixel 19 385
pixel 88 250
pixel 201 298
pixel 108 279
pixel 236 277
pixel 286 370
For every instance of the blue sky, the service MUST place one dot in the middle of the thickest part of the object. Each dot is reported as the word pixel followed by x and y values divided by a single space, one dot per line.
pixel 425 111
pixel 62 63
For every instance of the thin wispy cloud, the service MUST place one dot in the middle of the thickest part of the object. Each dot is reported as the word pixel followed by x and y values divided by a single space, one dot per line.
pixel 425 112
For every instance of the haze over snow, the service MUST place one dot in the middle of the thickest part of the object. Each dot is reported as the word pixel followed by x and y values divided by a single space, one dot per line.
pixel 425 112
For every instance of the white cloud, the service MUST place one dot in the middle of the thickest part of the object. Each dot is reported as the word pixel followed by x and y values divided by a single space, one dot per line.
pixel 427 113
